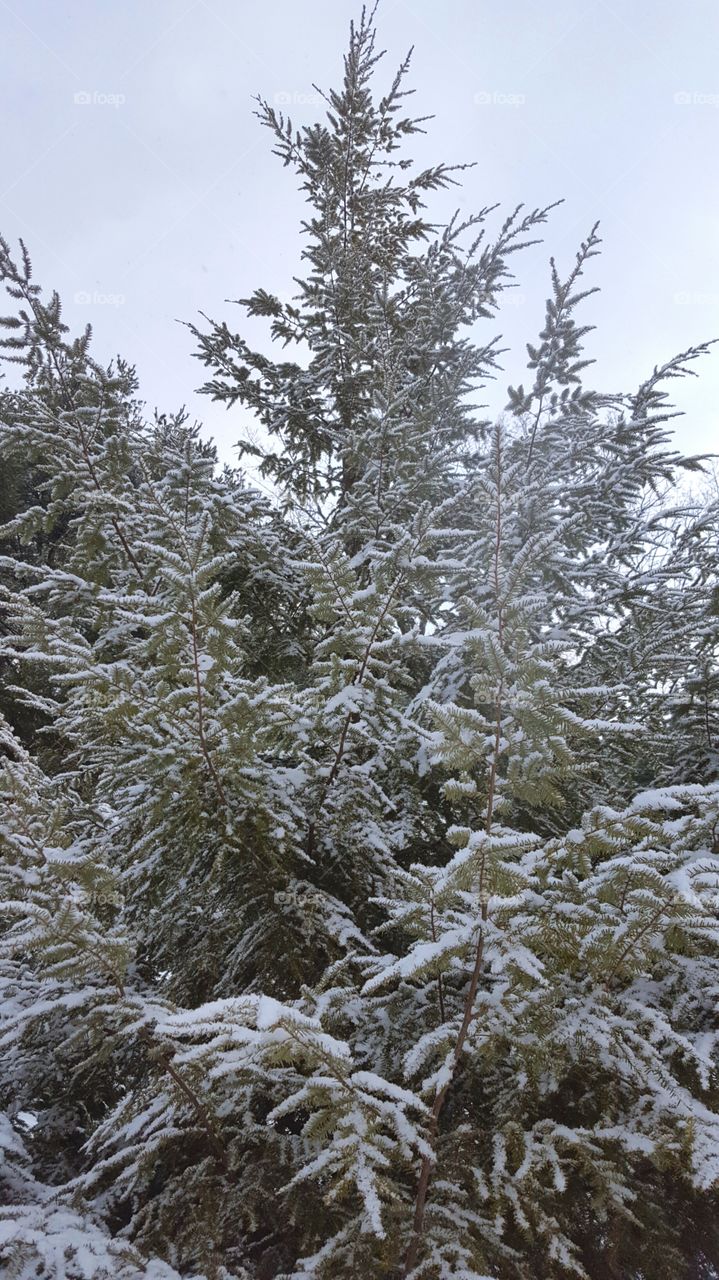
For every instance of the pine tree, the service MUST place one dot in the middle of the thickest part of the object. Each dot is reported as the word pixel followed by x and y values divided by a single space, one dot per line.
pixel 358 852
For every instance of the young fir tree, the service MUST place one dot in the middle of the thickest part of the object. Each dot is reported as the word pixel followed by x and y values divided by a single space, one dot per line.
pixel 359 851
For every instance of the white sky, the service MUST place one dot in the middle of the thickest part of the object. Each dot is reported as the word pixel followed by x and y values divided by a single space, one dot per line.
pixel 160 197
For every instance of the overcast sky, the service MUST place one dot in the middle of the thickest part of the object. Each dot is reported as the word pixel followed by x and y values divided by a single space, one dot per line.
pixel 146 190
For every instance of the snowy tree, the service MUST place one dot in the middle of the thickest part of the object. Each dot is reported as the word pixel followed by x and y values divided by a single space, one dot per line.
pixel 358 849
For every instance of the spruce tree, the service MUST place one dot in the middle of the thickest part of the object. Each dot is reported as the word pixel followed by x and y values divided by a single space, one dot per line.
pixel 358 851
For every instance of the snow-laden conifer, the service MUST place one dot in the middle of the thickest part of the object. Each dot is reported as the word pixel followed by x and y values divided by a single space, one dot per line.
pixel 359 857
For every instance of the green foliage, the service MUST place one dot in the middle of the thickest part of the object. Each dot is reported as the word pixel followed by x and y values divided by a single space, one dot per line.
pixel 358 849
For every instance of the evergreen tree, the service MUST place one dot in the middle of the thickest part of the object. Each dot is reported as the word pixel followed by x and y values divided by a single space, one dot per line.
pixel 358 849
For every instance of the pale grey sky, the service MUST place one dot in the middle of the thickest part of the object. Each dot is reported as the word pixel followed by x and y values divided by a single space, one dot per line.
pixel 146 191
